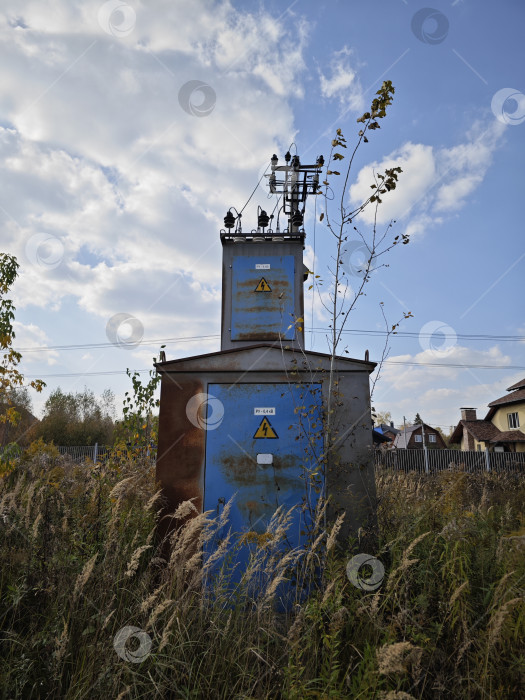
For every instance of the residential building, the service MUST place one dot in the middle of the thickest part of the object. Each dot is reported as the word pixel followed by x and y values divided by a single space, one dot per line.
pixel 412 438
pixel 387 430
pixel 500 430
pixel 380 439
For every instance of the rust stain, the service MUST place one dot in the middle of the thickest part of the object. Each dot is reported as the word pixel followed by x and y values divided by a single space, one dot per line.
pixel 181 448
pixel 276 285
pixel 192 438
pixel 254 507
pixel 255 480
pixel 238 470
pixel 263 335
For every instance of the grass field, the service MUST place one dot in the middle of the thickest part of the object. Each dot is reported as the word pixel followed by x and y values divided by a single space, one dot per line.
pixel 80 566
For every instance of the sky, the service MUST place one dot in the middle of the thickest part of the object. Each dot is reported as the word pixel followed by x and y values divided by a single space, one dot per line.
pixel 127 129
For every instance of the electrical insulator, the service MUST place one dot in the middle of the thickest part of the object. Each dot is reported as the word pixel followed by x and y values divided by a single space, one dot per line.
pixel 263 219
pixel 229 220
pixel 297 219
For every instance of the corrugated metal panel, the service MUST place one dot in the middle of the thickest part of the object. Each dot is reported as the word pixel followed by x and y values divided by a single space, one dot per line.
pixel 262 298
pixel 269 438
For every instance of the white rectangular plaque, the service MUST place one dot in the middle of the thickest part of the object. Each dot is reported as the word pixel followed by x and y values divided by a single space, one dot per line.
pixel 264 411
pixel 264 459
pixel 262 266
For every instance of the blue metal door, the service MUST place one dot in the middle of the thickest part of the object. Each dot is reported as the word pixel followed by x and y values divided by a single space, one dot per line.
pixel 263 298
pixel 266 450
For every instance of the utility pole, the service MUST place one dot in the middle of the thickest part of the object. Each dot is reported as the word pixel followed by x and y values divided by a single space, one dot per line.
pixel 424 447
pixel 294 181
pixel 405 430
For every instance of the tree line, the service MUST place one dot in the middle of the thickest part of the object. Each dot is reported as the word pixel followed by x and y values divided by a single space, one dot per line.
pixel 69 418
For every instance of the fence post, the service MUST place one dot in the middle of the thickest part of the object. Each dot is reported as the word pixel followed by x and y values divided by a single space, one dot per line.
pixel 95 453
pixel 426 458
pixel 487 458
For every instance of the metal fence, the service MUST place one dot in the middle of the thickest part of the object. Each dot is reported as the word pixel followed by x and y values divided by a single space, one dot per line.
pixel 99 453
pixel 431 461
pixel 79 453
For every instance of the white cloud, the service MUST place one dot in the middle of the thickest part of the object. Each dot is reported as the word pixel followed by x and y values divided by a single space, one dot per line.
pixel 343 82
pixel 464 166
pixel 100 157
pixel 437 393
pixel 419 172
pixel 29 336
pixel 434 182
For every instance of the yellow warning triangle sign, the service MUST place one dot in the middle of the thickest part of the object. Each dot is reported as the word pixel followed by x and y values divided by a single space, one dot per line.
pixel 263 286
pixel 265 430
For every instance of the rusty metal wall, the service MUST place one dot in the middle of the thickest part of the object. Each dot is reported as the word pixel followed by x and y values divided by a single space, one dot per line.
pixel 181 447
pixel 182 467
pixel 292 292
pixel 267 449
pixel 263 304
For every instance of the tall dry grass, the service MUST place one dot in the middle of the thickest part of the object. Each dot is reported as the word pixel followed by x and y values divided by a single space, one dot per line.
pixel 80 562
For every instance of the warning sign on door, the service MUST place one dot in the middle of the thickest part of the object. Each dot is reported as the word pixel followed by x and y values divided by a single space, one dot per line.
pixel 265 430
pixel 263 286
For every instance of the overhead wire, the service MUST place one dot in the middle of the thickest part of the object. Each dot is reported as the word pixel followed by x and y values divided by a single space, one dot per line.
pixel 386 362
pixel 313 272
pixel 415 334
pixel 254 190
pixel 188 339
pixel 92 346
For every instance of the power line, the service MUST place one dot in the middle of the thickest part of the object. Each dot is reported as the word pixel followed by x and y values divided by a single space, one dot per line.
pixel 413 334
pixel 386 362
pixel 188 339
pixel 82 374
pixel 91 346
pixel 457 365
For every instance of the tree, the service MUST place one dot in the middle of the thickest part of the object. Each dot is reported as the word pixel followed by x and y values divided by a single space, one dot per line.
pixel 139 429
pixel 76 419
pixel 342 223
pixel 383 417
pixel 446 437
pixel 17 398
pixel 345 287
pixel 11 379
pixel 375 243
pixel 418 420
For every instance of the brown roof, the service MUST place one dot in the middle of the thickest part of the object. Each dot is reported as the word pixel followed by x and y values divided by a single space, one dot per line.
pixel 518 385
pixel 399 440
pixel 509 436
pixel 518 395
pixel 513 397
pixel 481 430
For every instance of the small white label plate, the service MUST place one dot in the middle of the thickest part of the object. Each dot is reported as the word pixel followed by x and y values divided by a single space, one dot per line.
pixel 264 411
pixel 264 459
pixel 262 266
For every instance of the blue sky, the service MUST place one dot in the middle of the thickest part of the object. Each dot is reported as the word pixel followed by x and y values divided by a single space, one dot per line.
pixel 113 192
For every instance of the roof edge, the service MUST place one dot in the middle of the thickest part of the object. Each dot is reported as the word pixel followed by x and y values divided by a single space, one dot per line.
pixel 367 364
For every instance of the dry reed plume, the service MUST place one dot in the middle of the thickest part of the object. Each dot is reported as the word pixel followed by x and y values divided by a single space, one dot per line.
pixel 79 562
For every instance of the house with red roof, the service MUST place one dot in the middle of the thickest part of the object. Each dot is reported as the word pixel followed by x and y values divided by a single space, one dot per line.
pixel 501 429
